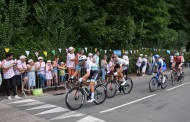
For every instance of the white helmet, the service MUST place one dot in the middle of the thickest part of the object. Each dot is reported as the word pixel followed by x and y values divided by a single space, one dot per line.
pixel 82 57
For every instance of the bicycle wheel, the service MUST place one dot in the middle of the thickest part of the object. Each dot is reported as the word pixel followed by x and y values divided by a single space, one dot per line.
pixel 174 77
pixel 127 88
pixel 164 85
pixel 182 77
pixel 75 98
pixel 153 84
pixel 100 94
pixel 111 88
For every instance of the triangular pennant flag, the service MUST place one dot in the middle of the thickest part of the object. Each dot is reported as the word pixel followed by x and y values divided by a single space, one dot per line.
pixel 100 50
pixel 131 51
pixel 86 49
pixel 27 53
pixel 45 53
pixel 134 51
pixel 7 50
pixel 95 49
pixel 36 53
pixel 60 50
pixel 53 52
pixel 74 49
pixel 123 51
pixel 105 51
pixel 137 51
pixel 66 50
pixel 110 50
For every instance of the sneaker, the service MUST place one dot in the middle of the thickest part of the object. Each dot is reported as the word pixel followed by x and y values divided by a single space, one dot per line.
pixel 9 98
pixel 91 100
pixel 123 83
pixel 16 97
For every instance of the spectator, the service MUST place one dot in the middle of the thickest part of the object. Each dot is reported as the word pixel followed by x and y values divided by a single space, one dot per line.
pixel 81 52
pixel 144 65
pixel 55 71
pixel 70 61
pixel 150 63
pixel 96 58
pixel 41 71
pixel 1 63
pixel 103 67
pixel 31 75
pixel 62 69
pixel 90 57
pixel 171 60
pixel 9 75
pixel 125 57
pixel 21 73
pixel 49 77
pixel 138 64
pixel 183 59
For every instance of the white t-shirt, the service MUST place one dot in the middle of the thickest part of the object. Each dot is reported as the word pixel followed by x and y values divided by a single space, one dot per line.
pixel 145 61
pixel 42 68
pixel 10 73
pixel 89 59
pixel 96 59
pixel 125 57
pixel 171 58
pixel 139 62
pixel 20 65
pixel 70 64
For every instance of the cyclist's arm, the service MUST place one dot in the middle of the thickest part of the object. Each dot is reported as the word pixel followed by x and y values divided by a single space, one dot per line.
pixel 86 75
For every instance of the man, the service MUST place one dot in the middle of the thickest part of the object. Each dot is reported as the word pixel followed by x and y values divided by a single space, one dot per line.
pixel 120 67
pixel 126 58
pixel 21 72
pixel 161 66
pixel 96 58
pixel 178 63
pixel 91 74
pixel 9 75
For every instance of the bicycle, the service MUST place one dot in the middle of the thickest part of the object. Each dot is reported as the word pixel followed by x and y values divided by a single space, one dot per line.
pixel 114 85
pixel 175 78
pixel 156 82
pixel 77 95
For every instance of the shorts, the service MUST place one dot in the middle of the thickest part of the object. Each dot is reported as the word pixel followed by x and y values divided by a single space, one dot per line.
pixel 31 81
pixel 94 76
pixel 117 66
pixel 19 78
pixel 163 69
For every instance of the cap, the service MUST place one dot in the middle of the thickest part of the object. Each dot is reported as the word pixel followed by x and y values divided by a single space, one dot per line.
pixel 90 54
pixel 71 48
pixel 40 58
pixel 22 57
pixel 49 61
pixel 141 55
pixel 30 60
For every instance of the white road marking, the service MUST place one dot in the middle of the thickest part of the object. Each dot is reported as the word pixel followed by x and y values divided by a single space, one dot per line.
pixel 114 108
pixel 90 119
pixel 68 115
pixel 42 107
pixel 32 103
pixel 177 86
pixel 23 101
pixel 54 110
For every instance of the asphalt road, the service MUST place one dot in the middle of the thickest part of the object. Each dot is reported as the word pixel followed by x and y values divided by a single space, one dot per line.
pixel 169 105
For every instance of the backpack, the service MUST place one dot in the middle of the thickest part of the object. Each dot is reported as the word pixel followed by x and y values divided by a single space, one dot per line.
pixel 143 64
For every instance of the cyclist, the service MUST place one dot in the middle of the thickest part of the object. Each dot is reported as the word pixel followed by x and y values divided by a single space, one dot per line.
pixel 120 65
pixel 161 66
pixel 178 62
pixel 91 74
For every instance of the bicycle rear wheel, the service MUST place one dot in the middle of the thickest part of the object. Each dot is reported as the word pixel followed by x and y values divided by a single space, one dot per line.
pixel 182 77
pixel 100 94
pixel 75 98
pixel 153 84
pixel 127 88
pixel 164 85
pixel 111 88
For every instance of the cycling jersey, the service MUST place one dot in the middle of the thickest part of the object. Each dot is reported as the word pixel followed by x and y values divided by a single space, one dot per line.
pixel 178 59
pixel 161 64
pixel 90 66
pixel 122 63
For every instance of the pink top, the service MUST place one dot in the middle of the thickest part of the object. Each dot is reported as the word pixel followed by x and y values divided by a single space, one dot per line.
pixel 20 65
pixel 10 73
pixel 70 64
pixel 42 68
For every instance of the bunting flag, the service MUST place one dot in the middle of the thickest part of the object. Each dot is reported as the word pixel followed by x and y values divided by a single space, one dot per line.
pixel 36 53
pixel 27 53
pixel 131 51
pixel 137 51
pixel 95 49
pixel 100 50
pixel 45 53
pixel 123 51
pixel 168 51
pixel 110 50
pixel 60 49
pixel 53 52
pixel 105 51
pixel 134 51
pixel 156 50
pixel 7 50
pixel 86 49
pixel 159 50
pixel 74 50
pixel 66 50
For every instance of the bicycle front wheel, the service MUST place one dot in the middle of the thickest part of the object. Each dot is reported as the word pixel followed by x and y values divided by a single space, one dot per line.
pixel 111 88
pixel 153 84
pixel 100 94
pixel 127 88
pixel 75 98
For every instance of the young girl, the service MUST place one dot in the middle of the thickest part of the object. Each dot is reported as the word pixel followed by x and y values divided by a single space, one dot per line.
pixel 49 69
pixel 31 75
pixel 62 69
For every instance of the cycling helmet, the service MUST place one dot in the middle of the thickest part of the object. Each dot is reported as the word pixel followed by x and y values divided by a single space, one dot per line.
pixel 156 56
pixel 82 58
pixel 177 54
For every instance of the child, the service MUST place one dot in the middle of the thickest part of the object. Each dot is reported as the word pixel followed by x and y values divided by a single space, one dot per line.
pixel 31 75
pixel 62 69
pixel 49 69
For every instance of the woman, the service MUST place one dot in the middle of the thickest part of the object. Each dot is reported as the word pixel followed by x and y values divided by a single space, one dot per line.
pixel 145 65
pixel 41 71
pixel 70 62
pixel 49 77
pixel 55 71
pixel 138 64
pixel 103 67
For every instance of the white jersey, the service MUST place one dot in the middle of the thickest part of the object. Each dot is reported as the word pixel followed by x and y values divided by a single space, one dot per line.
pixel 122 63
pixel 125 57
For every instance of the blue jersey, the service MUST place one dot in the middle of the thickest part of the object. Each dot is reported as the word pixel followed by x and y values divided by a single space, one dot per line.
pixel 161 64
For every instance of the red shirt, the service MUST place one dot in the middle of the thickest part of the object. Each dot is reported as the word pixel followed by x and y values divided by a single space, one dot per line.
pixel 178 59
